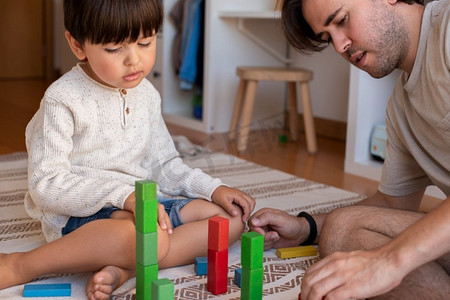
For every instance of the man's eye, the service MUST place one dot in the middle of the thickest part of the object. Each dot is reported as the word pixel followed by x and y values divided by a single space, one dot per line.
pixel 342 21
pixel 325 39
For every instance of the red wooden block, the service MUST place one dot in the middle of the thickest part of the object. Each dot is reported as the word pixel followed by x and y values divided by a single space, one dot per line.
pixel 299 296
pixel 217 282
pixel 218 233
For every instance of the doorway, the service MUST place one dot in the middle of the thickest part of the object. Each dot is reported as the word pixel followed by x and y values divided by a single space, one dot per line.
pixel 26 29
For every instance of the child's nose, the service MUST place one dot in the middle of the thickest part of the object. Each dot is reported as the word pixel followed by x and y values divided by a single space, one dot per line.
pixel 132 58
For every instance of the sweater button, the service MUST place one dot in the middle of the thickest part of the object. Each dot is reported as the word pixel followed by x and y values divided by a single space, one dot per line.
pixel 124 91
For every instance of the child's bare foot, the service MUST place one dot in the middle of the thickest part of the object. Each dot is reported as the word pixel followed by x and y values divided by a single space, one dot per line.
pixel 107 280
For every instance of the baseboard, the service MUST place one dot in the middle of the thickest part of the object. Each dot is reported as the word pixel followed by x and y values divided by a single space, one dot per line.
pixel 324 127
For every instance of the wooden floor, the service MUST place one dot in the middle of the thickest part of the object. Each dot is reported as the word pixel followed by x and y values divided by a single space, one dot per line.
pixel 20 99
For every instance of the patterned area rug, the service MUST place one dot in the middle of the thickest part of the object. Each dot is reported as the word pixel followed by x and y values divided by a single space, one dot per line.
pixel 270 188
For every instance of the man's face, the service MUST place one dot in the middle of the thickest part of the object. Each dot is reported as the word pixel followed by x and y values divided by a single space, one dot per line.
pixel 368 33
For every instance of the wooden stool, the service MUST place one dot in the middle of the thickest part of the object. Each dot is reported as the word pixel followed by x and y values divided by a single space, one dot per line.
pixel 245 100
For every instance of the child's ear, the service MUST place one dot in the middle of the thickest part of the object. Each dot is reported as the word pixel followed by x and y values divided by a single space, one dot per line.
pixel 75 46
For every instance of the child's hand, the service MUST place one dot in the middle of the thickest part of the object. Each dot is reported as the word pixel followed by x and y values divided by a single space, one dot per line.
pixel 226 196
pixel 163 219
pixel 130 203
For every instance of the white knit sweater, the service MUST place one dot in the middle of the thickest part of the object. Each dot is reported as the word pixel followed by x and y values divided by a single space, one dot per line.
pixel 88 144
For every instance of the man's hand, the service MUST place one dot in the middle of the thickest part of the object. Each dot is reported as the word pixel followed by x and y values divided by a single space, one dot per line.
pixel 351 275
pixel 225 197
pixel 279 228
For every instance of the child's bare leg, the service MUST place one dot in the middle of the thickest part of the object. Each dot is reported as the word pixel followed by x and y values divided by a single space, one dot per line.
pixel 92 247
pixel 108 279
pixel 190 240
pixel 89 248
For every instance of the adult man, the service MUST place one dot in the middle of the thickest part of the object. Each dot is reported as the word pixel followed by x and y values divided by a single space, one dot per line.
pixel 390 248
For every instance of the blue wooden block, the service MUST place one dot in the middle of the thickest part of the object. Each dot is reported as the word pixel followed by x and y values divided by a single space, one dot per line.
pixel 47 290
pixel 201 265
pixel 238 276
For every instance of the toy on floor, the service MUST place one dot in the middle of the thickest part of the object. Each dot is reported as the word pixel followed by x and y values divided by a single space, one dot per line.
pixel 201 265
pixel 47 290
pixel 218 239
pixel 296 251
pixel 282 138
pixel 238 276
pixel 252 251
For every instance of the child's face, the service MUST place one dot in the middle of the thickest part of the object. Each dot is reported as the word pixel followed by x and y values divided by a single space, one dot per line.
pixel 121 65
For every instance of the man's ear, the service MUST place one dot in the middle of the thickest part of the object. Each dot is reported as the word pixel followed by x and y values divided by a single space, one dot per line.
pixel 75 46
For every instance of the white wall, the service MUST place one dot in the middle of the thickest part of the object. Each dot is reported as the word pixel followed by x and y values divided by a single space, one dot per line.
pixel 330 84
pixel 64 59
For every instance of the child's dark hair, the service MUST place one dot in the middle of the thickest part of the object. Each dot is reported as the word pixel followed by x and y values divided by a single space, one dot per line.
pixel 298 32
pixel 112 21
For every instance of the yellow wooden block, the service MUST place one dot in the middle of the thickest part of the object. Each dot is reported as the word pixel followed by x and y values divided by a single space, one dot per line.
pixel 296 251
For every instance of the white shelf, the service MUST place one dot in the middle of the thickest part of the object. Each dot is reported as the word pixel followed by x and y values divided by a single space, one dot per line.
pixel 268 14
pixel 243 15
pixel 219 67
pixel 184 120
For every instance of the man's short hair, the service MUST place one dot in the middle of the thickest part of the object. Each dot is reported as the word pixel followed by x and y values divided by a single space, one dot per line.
pixel 112 21
pixel 298 32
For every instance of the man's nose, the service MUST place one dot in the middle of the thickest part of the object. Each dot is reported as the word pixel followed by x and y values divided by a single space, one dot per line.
pixel 341 42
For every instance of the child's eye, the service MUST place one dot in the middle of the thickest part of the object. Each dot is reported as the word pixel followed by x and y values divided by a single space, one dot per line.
pixel 109 50
pixel 145 45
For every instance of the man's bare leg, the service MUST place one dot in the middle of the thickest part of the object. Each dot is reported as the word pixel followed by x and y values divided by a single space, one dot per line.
pixel 366 227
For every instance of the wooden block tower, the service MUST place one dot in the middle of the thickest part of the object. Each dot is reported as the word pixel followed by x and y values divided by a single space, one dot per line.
pixel 146 238
pixel 218 239
pixel 252 251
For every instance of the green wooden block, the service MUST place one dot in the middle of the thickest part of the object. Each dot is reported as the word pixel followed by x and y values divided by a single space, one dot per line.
pixel 147 248
pixel 252 250
pixel 252 283
pixel 144 277
pixel 162 289
pixel 146 206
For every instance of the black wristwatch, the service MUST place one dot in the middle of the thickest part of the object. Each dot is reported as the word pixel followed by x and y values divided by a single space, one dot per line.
pixel 312 228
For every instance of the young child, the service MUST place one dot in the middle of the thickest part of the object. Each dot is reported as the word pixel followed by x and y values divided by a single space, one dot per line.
pixel 98 130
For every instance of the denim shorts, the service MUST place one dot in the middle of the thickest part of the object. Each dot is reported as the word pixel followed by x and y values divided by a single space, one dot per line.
pixel 172 207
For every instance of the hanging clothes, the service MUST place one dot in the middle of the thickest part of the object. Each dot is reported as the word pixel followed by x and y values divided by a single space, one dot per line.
pixel 187 55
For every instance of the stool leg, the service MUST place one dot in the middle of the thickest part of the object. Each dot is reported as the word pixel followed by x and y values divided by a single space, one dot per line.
pixel 247 113
pixel 293 111
pixel 310 132
pixel 237 109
